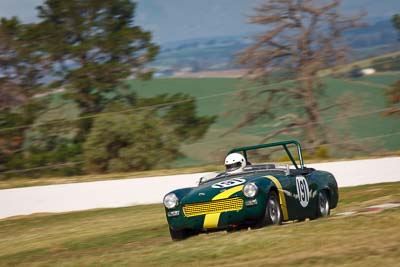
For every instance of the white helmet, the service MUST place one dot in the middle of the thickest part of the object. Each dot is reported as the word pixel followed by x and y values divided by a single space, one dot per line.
pixel 235 163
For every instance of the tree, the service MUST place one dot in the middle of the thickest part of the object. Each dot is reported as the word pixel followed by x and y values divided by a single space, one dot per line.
pixel 12 133
pixel 181 115
pixel 20 71
pixel 87 48
pixel 92 46
pixel 146 137
pixel 135 141
pixel 22 75
pixel 393 98
pixel 396 21
pixel 393 93
pixel 301 38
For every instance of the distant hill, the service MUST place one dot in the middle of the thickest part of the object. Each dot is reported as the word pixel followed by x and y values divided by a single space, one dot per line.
pixel 218 53
pixel 181 20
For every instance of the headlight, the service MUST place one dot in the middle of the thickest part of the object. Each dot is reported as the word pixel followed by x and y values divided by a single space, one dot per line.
pixel 170 201
pixel 250 190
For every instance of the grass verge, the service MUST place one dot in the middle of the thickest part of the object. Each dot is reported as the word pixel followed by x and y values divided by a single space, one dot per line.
pixel 14 182
pixel 138 236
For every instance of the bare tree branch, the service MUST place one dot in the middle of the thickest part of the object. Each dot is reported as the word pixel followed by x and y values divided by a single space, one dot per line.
pixel 251 117
pixel 286 129
pixel 340 104
pixel 301 38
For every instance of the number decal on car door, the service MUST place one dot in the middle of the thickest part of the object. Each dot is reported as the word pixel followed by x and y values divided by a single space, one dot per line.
pixel 302 190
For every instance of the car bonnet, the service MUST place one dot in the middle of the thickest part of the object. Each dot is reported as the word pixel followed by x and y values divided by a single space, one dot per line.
pixel 223 187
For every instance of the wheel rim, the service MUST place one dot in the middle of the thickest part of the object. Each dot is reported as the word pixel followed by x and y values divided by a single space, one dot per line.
pixel 274 211
pixel 323 205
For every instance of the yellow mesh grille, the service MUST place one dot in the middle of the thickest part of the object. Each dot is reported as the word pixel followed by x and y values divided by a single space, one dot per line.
pixel 215 206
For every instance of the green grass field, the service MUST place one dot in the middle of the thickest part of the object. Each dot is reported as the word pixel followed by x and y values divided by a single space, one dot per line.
pixel 216 97
pixel 138 236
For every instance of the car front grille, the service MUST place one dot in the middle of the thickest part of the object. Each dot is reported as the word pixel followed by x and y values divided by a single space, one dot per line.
pixel 215 206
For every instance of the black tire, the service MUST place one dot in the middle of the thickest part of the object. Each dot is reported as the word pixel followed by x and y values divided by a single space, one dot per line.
pixel 178 235
pixel 323 205
pixel 273 211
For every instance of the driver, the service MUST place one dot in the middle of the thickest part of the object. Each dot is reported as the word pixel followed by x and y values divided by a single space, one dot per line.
pixel 235 163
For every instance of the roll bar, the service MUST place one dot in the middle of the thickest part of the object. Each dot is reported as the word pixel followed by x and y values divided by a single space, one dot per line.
pixel 284 144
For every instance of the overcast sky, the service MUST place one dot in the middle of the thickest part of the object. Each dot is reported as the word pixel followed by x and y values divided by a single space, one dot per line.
pixel 172 20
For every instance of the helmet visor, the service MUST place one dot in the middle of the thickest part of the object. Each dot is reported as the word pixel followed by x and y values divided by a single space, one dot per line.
pixel 233 166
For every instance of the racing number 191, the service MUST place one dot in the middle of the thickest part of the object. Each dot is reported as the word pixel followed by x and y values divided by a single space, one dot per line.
pixel 302 190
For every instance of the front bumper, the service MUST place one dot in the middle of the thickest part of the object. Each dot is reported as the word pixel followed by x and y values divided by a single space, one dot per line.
pixel 253 210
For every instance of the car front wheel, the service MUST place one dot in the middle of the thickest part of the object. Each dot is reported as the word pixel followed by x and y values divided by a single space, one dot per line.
pixel 177 235
pixel 273 211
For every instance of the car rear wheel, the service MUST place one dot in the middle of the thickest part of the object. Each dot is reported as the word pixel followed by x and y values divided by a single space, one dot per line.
pixel 177 235
pixel 323 207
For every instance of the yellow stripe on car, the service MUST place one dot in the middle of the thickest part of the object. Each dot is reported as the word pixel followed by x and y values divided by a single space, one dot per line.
pixel 282 198
pixel 211 220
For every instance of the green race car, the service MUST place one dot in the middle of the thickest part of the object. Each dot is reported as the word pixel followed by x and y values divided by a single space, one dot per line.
pixel 251 195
